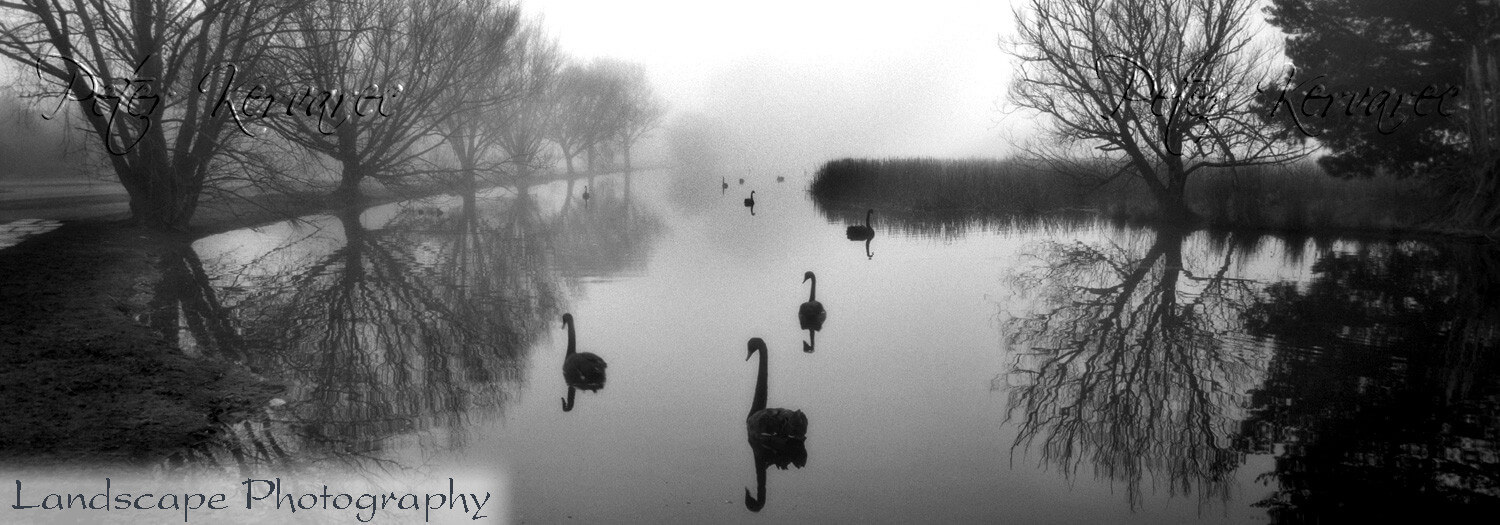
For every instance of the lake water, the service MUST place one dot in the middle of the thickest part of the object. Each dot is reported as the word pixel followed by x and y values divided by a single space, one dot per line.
pixel 1052 371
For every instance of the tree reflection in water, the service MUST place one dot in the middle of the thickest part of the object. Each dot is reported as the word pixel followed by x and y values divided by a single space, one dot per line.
pixel 1386 388
pixel 610 236
pixel 399 332
pixel 1127 366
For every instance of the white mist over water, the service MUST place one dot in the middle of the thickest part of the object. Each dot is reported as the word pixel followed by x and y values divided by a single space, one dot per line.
pixel 790 84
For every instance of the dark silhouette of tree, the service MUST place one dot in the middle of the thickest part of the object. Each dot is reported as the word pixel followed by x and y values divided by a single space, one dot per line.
pixel 1384 387
pixel 148 76
pixel 1126 365
pixel 1404 88
pixel 413 55
pixel 1356 50
pixel 1157 89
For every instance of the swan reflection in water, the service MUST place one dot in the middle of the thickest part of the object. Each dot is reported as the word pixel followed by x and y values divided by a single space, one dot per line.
pixel 750 202
pixel 581 370
pixel 811 315
pixel 777 435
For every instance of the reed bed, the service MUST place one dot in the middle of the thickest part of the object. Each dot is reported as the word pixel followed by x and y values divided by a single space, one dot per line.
pixel 1295 198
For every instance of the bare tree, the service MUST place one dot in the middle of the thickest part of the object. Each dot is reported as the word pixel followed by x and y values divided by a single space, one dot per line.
pixel 399 61
pixel 638 109
pixel 1162 88
pixel 521 125
pixel 583 99
pixel 473 134
pixel 150 78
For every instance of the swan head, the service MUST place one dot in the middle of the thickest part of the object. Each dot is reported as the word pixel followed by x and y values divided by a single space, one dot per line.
pixel 806 276
pixel 567 320
pixel 755 343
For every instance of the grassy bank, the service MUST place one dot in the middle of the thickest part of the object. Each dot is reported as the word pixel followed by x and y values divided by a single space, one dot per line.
pixel 1296 198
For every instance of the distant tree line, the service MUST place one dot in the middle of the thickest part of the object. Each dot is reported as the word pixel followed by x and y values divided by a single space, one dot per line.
pixel 185 97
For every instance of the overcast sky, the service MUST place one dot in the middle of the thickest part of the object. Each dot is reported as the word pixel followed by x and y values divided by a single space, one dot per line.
pixel 810 78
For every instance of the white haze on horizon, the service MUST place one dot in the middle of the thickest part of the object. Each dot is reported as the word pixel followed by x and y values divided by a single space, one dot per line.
pixel 794 83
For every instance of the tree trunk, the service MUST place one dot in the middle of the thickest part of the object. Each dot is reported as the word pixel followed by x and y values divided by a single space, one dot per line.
pixel 349 181
pixel 159 200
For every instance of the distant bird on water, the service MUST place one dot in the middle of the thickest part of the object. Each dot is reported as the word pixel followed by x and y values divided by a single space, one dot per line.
pixel 725 186
pixel 581 370
pixel 742 181
pixel 750 202
pixel 780 178
pixel 586 192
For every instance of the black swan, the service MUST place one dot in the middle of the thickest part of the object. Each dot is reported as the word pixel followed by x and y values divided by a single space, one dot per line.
pixel 583 370
pixel 750 202
pixel 862 233
pixel 811 315
pixel 777 435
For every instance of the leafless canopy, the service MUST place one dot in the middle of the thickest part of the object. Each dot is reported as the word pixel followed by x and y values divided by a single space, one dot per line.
pixel 415 55
pixel 1162 88
pixel 147 77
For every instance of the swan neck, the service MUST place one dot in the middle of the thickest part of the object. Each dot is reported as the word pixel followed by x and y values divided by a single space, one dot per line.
pixel 759 403
pixel 867 217
pixel 572 343
pixel 812 293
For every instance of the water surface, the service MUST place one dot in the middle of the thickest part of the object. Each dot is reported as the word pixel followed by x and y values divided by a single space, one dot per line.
pixel 1052 370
